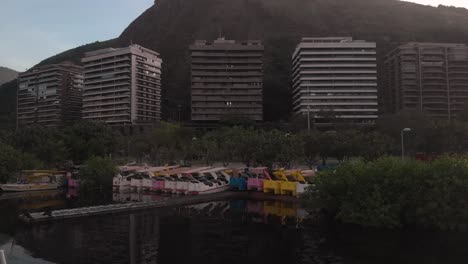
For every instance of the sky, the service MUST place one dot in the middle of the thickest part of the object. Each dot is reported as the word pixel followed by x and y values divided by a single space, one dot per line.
pixel 459 3
pixel 33 30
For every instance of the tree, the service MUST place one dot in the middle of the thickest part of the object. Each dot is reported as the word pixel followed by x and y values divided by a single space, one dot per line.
pixel 374 145
pixel 326 144
pixel 97 173
pixel 246 142
pixel 45 143
pixel 9 162
pixel 290 148
pixel 225 144
pixel 310 147
pixel 269 144
pixel 207 149
pixel 86 139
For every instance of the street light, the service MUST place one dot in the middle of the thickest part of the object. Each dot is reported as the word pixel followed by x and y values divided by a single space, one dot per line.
pixel 403 141
pixel 308 117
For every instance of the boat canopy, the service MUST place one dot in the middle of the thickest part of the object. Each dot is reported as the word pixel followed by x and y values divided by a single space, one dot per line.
pixel 213 170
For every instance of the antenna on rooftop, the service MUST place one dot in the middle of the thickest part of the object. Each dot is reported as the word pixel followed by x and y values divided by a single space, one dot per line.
pixel 220 35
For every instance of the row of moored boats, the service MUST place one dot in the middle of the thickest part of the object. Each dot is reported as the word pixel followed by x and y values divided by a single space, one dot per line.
pixel 205 180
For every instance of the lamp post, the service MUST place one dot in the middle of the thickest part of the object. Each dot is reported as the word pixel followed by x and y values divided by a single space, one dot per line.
pixel 308 117
pixel 403 142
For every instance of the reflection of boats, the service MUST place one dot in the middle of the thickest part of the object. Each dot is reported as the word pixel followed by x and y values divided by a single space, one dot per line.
pixel 41 205
pixel 35 180
pixel 210 208
pixel 121 197
pixel 33 201
pixel 29 195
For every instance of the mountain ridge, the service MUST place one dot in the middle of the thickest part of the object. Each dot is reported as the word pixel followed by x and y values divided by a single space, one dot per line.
pixel 170 26
pixel 7 74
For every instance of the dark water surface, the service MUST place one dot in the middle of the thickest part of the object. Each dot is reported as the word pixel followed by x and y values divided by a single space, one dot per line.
pixel 235 231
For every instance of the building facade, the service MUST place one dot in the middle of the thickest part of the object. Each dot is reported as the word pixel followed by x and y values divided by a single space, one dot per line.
pixel 50 95
pixel 227 80
pixel 429 77
pixel 122 86
pixel 335 80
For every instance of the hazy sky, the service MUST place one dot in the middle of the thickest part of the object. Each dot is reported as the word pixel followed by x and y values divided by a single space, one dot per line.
pixel 460 3
pixel 32 30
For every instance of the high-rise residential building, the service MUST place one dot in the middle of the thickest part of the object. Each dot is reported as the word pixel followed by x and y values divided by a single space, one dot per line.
pixel 227 80
pixel 335 80
pixel 122 86
pixel 429 77
pixel 50 95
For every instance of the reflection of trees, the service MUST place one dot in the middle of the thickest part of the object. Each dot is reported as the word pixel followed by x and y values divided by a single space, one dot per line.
pixel 115 239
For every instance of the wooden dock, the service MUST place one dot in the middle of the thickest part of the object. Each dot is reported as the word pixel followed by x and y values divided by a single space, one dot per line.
pixel 127 207
pixel 137 206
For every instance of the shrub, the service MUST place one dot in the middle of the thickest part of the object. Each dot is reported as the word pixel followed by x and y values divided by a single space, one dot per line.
pixel 97 173
pixel 9 162
pixel 392 193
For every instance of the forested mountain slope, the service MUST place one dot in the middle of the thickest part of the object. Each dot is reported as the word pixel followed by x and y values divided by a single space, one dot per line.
pixel 170 26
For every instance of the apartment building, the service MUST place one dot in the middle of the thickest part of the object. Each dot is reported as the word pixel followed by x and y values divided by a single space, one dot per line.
pixel 227 80
pixel 335 80
pixel 430 77
pixel 50 95
pixel 122 86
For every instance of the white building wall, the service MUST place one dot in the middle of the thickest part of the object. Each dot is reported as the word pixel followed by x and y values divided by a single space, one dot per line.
pixel 337 76
pixel 122 86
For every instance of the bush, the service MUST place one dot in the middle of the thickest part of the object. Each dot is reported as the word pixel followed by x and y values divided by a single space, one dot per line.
pixel 9 162
pixel 392 193
pixel 97 173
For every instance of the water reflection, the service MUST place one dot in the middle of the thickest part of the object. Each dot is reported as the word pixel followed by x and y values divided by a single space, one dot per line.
pixel 218 232
pixel 233 231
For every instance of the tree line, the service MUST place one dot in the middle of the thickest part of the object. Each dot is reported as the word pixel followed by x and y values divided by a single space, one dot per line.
pixel 268 144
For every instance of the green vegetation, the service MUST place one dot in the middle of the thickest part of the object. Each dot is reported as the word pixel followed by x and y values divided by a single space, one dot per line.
pixel 263 144
pixel 170 143
pixel 8 105
pixel 9 162
pixel 97 173
pixel 389 192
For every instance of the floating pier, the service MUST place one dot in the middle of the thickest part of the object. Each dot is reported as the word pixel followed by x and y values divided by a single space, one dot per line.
pixel 126 207
pixel 56 215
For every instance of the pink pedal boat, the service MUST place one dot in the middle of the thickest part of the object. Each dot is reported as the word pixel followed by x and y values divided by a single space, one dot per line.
pixel 256 183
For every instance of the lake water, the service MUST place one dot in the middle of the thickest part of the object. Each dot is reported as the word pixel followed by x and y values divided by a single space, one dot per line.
pixel 234 231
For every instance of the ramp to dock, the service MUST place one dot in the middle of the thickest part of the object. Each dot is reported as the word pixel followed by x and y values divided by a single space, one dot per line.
pixel 127 207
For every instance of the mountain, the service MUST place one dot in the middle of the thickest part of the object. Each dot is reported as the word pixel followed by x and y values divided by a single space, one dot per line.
pixel 8 104
pixel 7 75
pixel 170 26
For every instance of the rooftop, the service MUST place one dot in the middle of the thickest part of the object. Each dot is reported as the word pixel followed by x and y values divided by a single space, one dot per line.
pixel 129 48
